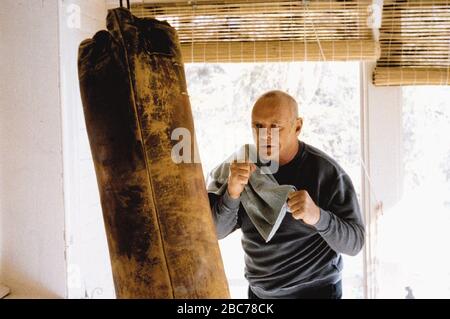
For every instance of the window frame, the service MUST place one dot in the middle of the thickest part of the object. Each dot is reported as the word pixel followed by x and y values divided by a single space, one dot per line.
pixel 381 165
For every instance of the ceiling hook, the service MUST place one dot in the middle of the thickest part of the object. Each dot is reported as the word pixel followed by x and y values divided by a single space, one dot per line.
pixel 128 4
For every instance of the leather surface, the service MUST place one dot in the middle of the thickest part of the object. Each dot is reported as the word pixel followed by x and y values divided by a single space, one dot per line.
pixel 158 221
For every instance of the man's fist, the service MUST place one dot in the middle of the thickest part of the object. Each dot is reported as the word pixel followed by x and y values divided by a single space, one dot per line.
pixel 238 178
pixel 303 207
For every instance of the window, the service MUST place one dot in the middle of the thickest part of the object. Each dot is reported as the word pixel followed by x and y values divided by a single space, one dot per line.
pixel 222 96
pixel 413 237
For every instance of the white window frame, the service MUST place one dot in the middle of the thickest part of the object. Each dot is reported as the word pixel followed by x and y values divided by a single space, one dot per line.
pixel 382 168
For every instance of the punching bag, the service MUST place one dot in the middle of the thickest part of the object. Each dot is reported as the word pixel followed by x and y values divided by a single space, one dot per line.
pixel 159 227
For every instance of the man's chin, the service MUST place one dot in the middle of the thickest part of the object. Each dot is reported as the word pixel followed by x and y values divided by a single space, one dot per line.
pixel 268 154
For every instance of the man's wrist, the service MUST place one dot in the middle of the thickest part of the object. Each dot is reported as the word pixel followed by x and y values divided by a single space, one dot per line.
pixel 232 195
pixel 316 217
pixel 324 221
pixel 230 202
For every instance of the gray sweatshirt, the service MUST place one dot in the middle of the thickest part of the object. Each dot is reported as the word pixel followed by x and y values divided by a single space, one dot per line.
pixel 299 256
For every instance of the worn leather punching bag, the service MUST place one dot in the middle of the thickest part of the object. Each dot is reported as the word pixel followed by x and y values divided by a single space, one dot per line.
pixel 158 221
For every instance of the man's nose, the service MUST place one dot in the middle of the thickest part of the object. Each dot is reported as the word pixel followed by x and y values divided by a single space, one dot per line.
pixel 264 132
pixel 265 135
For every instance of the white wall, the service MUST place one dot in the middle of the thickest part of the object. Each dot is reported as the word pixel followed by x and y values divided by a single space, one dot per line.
pixel 89 269
pixel 31 167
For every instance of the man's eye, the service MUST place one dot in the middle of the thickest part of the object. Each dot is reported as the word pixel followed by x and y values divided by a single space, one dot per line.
pixel 275 126
pixel 258 125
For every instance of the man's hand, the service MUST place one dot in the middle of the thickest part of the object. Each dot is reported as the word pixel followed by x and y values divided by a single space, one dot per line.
pixel 238 178
pixel 303 207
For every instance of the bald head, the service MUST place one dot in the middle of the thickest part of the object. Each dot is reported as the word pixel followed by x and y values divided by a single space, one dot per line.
pixel 276 111
pixel 278 99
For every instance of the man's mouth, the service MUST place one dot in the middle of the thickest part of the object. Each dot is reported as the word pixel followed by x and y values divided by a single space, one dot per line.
pixel 268 149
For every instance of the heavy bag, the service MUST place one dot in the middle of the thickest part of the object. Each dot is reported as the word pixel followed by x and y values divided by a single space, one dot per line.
pixel 158 221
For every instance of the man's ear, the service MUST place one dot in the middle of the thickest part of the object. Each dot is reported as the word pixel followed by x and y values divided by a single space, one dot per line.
pixel 298 125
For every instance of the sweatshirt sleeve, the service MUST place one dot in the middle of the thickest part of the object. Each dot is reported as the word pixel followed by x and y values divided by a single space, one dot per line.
pixel 225 213
pixel 341 223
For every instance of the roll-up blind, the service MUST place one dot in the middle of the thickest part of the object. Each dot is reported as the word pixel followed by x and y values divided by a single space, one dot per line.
pixel 415 43
pixel 259 31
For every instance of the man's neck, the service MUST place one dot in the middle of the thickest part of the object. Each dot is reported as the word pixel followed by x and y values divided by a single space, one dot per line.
pixel 290 154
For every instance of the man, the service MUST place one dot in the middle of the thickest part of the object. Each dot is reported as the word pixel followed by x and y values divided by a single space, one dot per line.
pixel 303 259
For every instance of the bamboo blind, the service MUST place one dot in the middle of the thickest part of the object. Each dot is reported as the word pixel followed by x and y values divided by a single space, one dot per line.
pixel 265 31
pixel 415 43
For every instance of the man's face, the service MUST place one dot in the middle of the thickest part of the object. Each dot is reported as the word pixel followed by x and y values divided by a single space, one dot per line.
pixel 275 128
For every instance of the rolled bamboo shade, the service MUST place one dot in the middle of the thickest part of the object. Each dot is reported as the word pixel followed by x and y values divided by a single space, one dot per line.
pixel 267 31
pixel 415 43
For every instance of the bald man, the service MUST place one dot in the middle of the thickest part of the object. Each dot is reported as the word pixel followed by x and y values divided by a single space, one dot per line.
pixel 303 259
